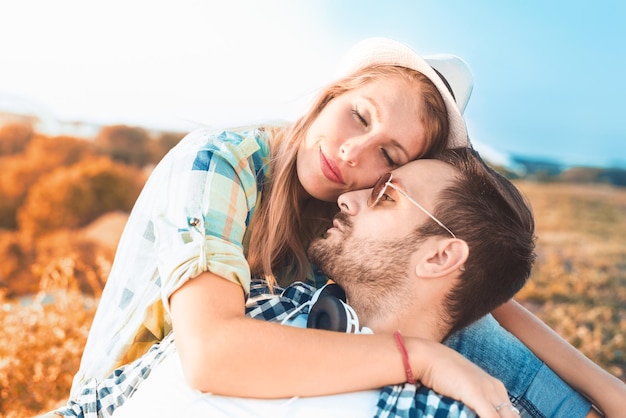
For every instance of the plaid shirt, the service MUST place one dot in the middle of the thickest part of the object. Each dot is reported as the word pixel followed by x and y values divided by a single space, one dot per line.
pixel 191 216
pixel 100 399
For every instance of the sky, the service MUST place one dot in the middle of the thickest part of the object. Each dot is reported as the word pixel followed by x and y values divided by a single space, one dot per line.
pixel 549 76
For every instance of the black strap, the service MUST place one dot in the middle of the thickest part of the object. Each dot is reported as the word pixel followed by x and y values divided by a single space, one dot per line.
pixel 445 82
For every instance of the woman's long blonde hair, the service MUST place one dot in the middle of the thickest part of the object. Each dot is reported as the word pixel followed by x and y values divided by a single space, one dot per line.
pixel 283 225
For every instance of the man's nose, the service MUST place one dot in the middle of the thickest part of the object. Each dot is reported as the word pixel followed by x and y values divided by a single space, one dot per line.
pixel 354 201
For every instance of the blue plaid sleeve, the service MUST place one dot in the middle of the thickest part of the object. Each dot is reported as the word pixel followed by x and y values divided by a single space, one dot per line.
pixel 100 399
pixel 411 401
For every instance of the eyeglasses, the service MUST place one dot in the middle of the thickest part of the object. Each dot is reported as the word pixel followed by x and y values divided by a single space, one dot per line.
pixel 380 189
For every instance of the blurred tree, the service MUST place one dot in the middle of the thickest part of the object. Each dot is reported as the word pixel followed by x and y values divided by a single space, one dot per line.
pixel 45 152
pixel 20 171
pixel 542 175
pixel 68 260
pixel 125 144
pixel 71 197
pixel 17 257
pixel 580 174
pixel 14 137
pixel 12 191
pixel 165 142
pixel 614 176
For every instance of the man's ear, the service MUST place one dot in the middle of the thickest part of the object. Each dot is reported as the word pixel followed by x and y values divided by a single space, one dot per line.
pixel 443 257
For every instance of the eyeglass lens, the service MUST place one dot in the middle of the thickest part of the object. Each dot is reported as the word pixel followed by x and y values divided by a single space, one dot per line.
pixel 378 190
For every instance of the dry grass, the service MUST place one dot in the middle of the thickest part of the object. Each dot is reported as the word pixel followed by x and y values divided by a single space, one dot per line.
pixel 578 287
pixel 40 348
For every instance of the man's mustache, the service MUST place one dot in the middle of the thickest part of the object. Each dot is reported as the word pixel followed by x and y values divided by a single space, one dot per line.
pixel 343 220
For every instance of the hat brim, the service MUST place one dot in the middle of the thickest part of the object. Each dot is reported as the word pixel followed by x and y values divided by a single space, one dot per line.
pixel 384 51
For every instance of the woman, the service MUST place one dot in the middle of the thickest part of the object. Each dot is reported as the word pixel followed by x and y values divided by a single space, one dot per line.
pixel 216 200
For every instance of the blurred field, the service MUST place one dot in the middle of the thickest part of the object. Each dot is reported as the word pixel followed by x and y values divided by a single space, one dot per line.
pixel 578 284
pixel 578 287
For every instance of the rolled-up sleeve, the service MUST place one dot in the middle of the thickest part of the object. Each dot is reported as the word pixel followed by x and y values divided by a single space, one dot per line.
pixel 202 226
pixel 190 217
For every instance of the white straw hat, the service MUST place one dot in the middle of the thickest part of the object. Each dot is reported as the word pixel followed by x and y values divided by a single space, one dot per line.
pixel 449 73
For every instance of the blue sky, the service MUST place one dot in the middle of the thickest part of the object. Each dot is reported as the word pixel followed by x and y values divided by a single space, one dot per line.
pixel 549 75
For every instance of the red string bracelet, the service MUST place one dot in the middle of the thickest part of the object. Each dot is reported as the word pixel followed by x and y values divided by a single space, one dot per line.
pixel 405 358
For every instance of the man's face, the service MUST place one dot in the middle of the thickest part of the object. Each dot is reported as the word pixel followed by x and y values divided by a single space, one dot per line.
pixel 369 248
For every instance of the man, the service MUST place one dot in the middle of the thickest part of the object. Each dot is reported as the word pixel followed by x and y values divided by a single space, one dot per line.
pixel 397 261
pixel 434 246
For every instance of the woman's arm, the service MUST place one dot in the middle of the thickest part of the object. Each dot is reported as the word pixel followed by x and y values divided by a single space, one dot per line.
pixel 225 353
pixel 604 390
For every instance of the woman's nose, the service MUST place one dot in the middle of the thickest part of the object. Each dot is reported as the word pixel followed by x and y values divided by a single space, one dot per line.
pixel 352 150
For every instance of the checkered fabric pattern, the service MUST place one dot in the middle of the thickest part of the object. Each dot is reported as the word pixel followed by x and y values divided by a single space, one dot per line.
pixel 412 401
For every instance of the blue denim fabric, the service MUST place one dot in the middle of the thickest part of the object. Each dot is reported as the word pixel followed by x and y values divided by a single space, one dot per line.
pixel 533 387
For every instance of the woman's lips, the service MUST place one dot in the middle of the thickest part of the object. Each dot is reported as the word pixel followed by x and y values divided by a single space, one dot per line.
pixel 330 170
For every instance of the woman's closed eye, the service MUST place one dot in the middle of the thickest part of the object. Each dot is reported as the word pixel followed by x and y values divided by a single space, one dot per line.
pixel 359 117
pixel 388 158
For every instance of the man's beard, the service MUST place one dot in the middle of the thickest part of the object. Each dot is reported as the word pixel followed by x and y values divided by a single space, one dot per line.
pixel 371 271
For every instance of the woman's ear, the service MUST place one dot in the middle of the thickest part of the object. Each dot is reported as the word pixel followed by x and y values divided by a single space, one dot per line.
pixel 443 257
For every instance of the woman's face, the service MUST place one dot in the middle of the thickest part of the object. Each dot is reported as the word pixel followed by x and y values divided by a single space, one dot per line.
pixel 361 135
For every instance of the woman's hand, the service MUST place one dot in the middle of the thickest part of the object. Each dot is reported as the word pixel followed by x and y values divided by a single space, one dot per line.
pixel 449 373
